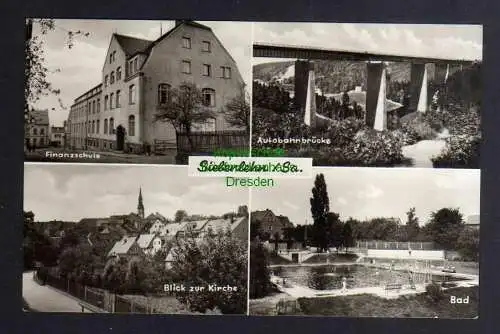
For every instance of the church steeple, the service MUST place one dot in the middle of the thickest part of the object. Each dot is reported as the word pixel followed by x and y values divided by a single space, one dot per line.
pixel 140 205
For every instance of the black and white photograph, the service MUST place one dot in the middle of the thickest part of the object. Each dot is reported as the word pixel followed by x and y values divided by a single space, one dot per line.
pixel 368 95
pixel 367 242
pixel 133 239
pixel 144 92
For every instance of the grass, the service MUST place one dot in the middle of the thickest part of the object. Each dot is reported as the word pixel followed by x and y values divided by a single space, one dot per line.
pixel 161 304
pixel 402 307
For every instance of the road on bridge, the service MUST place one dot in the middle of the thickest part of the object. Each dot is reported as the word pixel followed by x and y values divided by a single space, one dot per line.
pixel 43 298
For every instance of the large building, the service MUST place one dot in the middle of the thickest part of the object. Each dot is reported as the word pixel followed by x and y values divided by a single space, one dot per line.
pixel 37 131
pixel 137 78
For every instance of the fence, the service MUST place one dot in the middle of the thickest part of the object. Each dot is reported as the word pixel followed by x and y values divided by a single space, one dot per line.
pixel 163 146
pixel 107 301
pixel 208 142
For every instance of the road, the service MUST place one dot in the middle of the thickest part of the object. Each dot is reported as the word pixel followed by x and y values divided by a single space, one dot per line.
pixel 422 152
pixel 104 157
pixel 43 298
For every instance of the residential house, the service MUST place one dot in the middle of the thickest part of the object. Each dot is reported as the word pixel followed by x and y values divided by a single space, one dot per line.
pixel 472 222
pixel 126 247
pixel 138 76
pixel 57 136
pixel 37 131
pixel 150 243
pixel 270 224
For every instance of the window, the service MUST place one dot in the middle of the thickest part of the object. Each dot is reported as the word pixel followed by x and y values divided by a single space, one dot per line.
pixel 111 100
pixel 130 67
pixel 135 65
pixel 205 46
pixel 118 104
pixel 97 127
pixel 112 77
pixel 111 126
pixel 35 131
pixel 186 66
pixel 131 94
pixel 163 93
pixel 98 105
pixel 106 102
pixel 207 70
pixel 114 55
pixel 208 97
pixel 93 127
pixel 111 57
pixel 118 73
pixel 226 72
pixel 93 107
pixel 42 131
pixel 105 126
pixel 105 81
pixel 186 42
pixel 131 125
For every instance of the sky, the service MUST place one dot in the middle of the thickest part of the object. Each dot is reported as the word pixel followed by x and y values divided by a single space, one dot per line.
pixel 375 192
pixel 71 192
pixel 425 40
pixel 78 69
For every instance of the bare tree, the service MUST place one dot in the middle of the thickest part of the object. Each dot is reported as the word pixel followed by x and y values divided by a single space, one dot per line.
pixel 237 110
pixel 35 70
pixel 183 109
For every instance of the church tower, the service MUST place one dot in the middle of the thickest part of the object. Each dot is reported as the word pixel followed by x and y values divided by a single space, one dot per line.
pixel 140 205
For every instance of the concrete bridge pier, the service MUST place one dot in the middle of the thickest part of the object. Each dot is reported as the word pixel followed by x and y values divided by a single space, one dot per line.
pixel 418 88
pixel 376 113
pixel 305 90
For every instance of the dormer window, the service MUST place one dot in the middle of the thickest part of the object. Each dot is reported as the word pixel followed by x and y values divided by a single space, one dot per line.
pixel 186 42
pixel 112 78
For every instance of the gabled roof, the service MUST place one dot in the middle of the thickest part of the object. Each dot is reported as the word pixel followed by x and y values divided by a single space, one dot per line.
pixel 132 45
pixel 285 221
pixel 195 225
pixel 258 215
pixel 170 229
pixel 145 240
pixel 122 246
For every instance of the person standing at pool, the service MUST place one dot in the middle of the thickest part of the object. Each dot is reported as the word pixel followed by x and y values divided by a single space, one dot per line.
pixel 344 284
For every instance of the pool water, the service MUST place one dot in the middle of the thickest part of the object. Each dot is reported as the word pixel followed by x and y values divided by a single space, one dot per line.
pixel 329 277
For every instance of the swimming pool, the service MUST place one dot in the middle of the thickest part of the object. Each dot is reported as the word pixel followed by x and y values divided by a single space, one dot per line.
pixel 330 277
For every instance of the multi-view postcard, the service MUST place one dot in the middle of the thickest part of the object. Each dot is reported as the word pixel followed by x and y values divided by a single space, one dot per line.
pixel 252 169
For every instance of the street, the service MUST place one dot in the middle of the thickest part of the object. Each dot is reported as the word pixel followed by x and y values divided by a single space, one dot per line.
pixel 105 157
pixel 43 298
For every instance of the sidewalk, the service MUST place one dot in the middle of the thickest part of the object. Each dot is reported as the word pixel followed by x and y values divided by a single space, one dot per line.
pixel 43 298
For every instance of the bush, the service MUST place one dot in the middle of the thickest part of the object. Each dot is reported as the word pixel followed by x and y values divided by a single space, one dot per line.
pixel 461 151
pixel 343 132
pixel 372 148
pixel 420 127
pixel 434 292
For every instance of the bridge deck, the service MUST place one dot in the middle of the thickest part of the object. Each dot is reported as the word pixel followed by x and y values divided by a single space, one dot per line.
pixel 304 52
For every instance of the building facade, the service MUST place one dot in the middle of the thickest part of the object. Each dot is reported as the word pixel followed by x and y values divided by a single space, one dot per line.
pixel 137 78
pixel 57 136
pixel 37 131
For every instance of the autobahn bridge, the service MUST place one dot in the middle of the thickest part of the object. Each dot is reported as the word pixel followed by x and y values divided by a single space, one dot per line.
pixel 376 113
